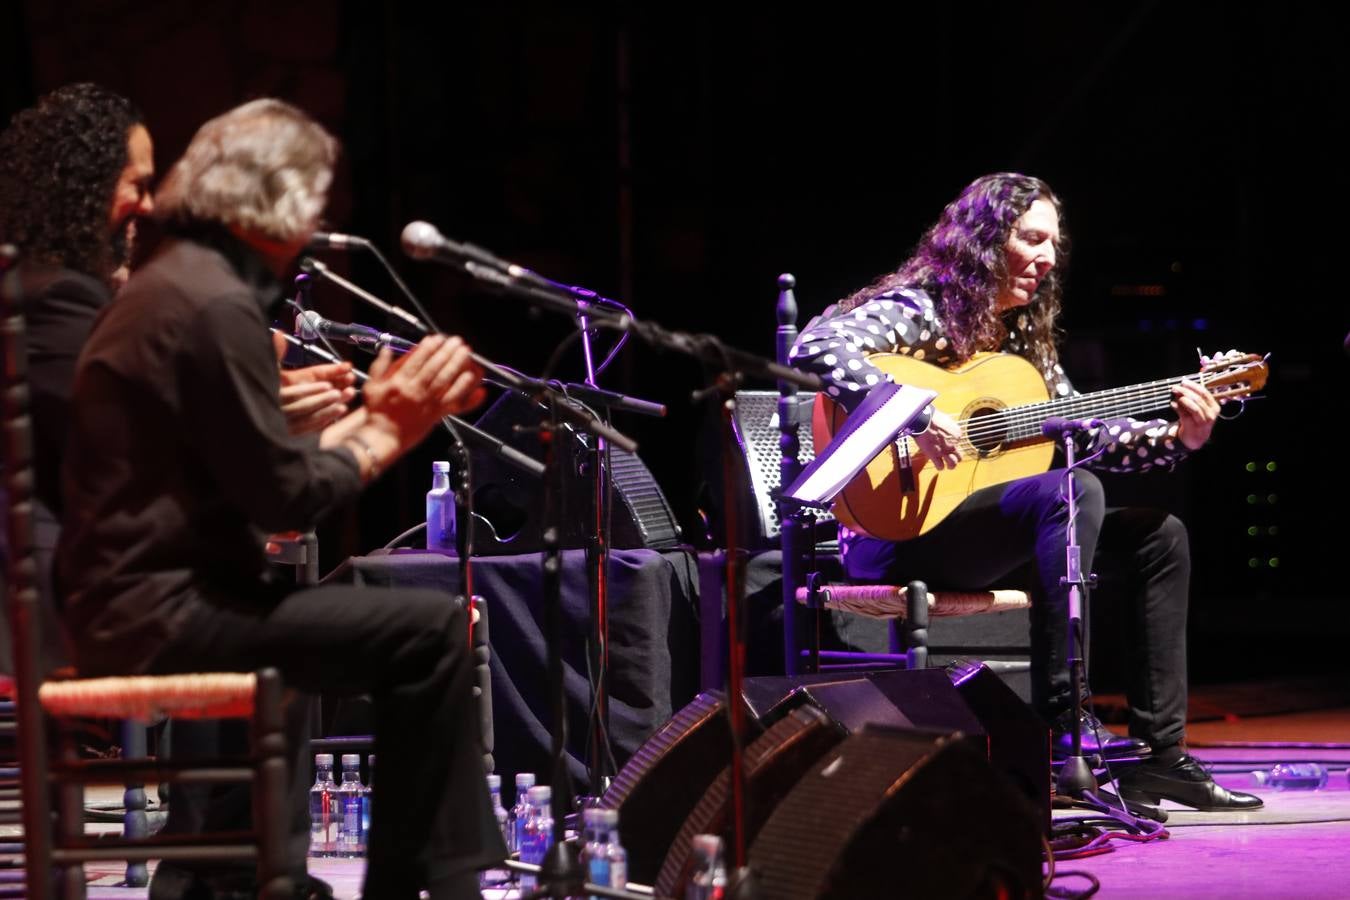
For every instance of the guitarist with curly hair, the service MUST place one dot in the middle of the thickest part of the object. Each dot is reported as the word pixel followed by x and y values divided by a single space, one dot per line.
pixel 976 307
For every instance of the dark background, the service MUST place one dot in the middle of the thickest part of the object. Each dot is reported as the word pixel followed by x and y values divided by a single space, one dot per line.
pixel 681 158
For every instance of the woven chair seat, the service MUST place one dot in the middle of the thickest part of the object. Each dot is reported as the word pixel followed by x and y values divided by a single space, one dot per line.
pixel 888 601
pixel 217 695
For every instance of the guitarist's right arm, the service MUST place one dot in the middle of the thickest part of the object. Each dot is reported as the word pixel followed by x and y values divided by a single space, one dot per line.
pixel 835 345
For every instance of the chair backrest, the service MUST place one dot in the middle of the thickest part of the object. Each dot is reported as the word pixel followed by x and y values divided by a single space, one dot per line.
pixel 16 457
pixel 16 452
pixel 757 433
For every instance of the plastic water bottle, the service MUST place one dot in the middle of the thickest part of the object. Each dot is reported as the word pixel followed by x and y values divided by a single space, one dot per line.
pixel 710 874
pixel 365 799
pixel 524 781
pixel 537 834
pixel 322 821
pixel 497 877
pixel 1294 777
pixel 440 509
pixel 351 840
pixel 605 859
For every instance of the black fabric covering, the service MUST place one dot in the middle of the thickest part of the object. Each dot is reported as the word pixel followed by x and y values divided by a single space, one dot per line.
pixel 653 644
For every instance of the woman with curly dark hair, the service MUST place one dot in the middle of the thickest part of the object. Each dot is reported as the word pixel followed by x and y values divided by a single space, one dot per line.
pixel 987 277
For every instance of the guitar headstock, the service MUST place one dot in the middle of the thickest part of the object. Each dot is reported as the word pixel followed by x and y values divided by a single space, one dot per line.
pixel 1233 376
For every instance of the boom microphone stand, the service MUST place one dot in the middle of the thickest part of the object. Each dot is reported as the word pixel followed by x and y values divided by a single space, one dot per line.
pixel 731 367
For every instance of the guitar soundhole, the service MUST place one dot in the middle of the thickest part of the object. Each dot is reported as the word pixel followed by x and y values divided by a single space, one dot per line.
pixel 986 435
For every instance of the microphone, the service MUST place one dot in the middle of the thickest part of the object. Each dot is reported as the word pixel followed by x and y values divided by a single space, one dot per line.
pixel 1057 427
pixel 312 267
pixel 309 325
pixel 423 241
pixel 332 240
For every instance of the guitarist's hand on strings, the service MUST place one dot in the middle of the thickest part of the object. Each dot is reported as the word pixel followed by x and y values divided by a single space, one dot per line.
pixel 1197 411
pixel 941 443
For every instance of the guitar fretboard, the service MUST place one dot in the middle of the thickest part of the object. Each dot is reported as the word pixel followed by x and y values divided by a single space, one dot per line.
pixel 1019 423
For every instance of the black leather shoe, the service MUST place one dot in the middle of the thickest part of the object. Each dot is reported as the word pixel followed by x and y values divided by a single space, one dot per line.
pixel 1097 739
pixel 1185 781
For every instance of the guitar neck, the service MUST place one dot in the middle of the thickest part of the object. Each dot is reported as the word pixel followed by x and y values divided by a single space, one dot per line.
pixel 1024 422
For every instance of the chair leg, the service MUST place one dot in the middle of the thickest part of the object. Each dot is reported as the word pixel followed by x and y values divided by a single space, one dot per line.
pixel 916 624
pixel 135 823
pixel 482 668
pixel 269 788
pixel 70 883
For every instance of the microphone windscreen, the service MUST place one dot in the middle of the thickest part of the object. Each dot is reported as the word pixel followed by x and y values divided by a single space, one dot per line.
pixel 420 239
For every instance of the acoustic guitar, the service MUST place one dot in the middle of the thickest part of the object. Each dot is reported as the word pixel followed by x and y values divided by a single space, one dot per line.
pixel 1000 402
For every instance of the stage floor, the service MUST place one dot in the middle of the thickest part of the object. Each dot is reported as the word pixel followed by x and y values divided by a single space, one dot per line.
pixel 1298 846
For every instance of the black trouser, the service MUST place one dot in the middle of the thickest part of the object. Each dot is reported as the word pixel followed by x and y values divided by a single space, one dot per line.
pixel 431 814
pixel 1140 554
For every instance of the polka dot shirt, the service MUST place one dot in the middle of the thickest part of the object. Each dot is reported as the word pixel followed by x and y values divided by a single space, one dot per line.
pixel 836 345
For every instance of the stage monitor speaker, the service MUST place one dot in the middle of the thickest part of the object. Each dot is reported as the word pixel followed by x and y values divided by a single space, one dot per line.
pixel 891 813
pixel 665 778
pixel 774 762
pixel 965 697
pixel 509 504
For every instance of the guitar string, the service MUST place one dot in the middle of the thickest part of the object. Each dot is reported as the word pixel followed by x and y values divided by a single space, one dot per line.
pixel 1025 420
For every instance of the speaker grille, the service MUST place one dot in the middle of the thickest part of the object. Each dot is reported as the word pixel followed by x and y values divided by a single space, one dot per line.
pixel 661 783
pixel 773 764
pixel 757 433
pixel 634 483
pixel 893 813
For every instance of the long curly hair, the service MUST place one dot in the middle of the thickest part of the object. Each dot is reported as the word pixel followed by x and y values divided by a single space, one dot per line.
pixel 59 165
pixel 961 262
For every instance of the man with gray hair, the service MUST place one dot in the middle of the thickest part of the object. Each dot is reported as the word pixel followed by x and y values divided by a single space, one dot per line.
pixel 180 461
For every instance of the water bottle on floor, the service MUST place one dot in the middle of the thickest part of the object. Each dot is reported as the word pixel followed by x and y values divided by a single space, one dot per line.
pixel 524 781
pixel 710 874
pixel 365 798
pixel 604 858
pixel 440 509
pixel 537 833
pixel 351 840
pixel 322 822
pixel 1294 777
pixel 497 877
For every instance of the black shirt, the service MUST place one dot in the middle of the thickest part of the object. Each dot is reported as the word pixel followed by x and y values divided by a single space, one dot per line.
pixel 179 460
pixel 59 309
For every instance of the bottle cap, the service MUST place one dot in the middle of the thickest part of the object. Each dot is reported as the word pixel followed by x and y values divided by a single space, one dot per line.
pixel 351 760
pixel 707 847
pixel 323 759
pixel 494 782
pixel 540 794
pixel 440 466
pixel 524 779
